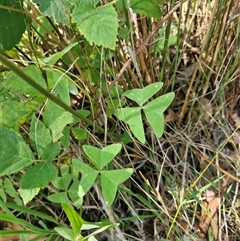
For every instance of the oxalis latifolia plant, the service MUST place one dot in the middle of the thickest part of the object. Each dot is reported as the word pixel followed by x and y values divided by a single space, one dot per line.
pixel 152 110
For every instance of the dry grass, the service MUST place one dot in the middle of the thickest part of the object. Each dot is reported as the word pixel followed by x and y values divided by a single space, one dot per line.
pixel 199 152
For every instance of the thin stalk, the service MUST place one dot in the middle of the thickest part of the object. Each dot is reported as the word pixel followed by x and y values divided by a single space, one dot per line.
pixel 50 96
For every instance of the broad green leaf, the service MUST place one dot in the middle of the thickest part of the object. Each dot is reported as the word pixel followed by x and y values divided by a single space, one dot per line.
pixel 140 96
pixel 154 112
pixel 16 83
pixel 28 194
pixel 79 133
pixel 41 140
pixel 98 25
pixel 51 60
pixel 51 151
pixel 58 10
pixel 15 113
pixel 151 8
pixel 89 176
pixel 39 175
pixel 132 116
pixel 15 154
pixel 66 233
pixel 12 24
pixel 101 157
pixel 60 197
pixel 74 218
pixel 110 180
pixel 39 135
pixel 55 118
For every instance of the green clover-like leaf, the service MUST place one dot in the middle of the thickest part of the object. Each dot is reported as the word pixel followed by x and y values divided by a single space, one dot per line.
pixel 132 116
pixel 101 157
pixel 89 176
pixel 154 112
pixel 140 96
pixel 110 181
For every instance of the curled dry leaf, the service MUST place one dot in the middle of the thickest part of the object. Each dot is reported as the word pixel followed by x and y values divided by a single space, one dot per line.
pixel 209 218
pixel 208 214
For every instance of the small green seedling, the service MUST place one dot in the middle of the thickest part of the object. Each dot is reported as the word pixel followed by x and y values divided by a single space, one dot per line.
pixel 152 110
pixel 110 179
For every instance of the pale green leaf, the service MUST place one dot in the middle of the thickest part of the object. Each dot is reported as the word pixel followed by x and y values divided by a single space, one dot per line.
pixel 62 183
pixel 110 180
pixel 41 140
pixel 9 188
pixel 89 176
pixel 132 116
pixel 101 157
pixel 16 83
pixel 73 194
pixel 60 197
pixel 97 24
pixel 38 175
pixel 58 10
pixel 55 118
pixel 15 154
pixel 39 135
pixel 52 59
pixel 28 194
pixel 86 182
pixel 12 24
pixel 140 96
pixel 66 233
pixel 154 112
pixel 72 88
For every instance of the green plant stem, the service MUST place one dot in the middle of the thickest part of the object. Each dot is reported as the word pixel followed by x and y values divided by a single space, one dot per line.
pixel 50 96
